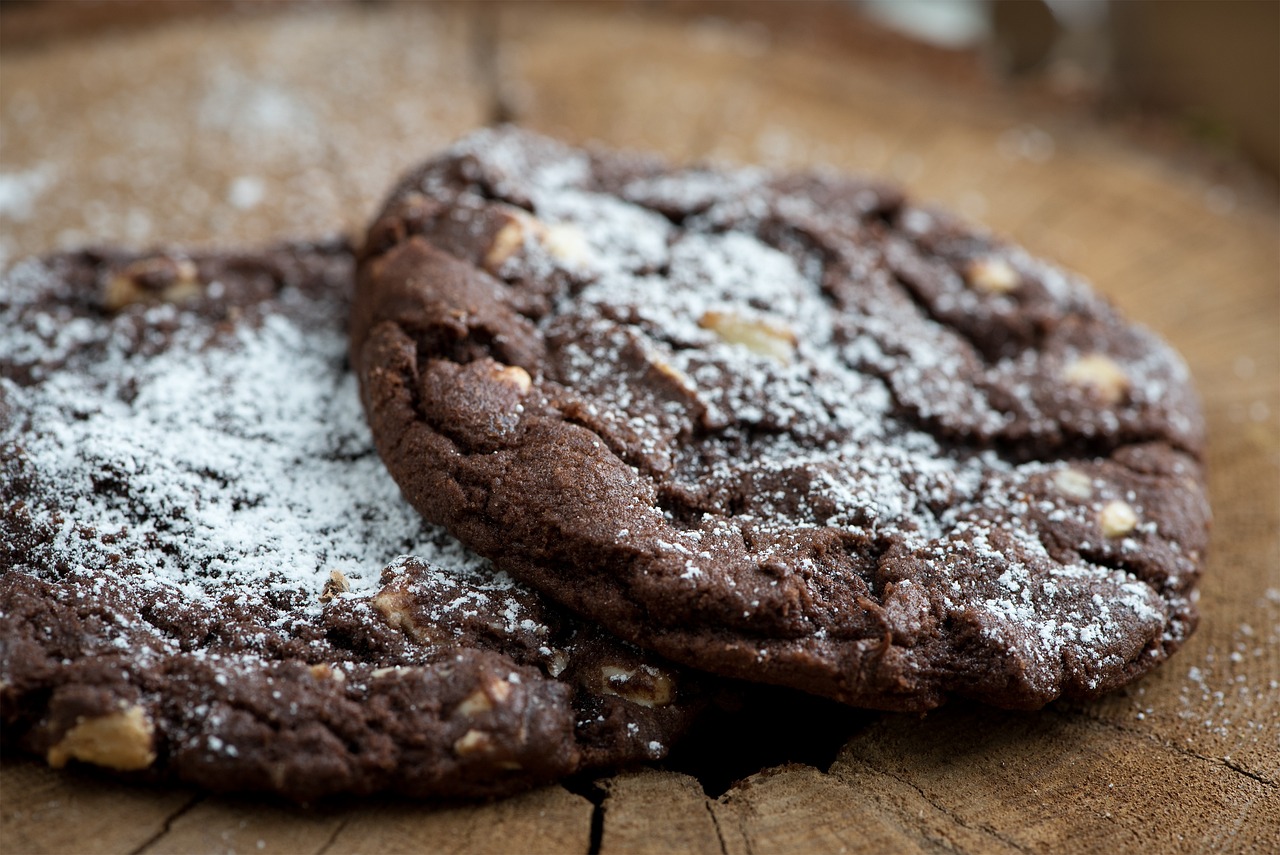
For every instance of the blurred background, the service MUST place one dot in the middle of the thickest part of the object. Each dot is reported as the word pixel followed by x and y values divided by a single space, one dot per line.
pixel 1210 69
pixel 143 121
pixel 1211 66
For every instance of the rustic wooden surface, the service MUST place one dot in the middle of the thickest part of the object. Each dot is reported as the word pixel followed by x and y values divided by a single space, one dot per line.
pixel 214 131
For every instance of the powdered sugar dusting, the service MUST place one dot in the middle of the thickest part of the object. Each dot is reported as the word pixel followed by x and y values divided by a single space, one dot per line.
pixel 238 462
pixel 796 395
pixel 194 523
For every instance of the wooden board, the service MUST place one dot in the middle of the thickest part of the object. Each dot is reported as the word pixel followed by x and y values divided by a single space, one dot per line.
pixel 222 129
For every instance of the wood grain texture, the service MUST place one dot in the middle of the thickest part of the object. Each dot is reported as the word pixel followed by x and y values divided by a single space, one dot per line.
pixel 336 102
pixel 229 130
pixel 548 820
pixel 634 799
pixel 44 811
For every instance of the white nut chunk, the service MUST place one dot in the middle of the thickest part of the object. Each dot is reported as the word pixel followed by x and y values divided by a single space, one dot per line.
pixel 1117 518
pixel 562 241
pixel 506 242
pixel 396 606
pixel 674 374
pixel 758 335
pixel 482 700
pixel 475 703
pixel 646 686
pixel 992 275
pixel 121 740
pixel 567 243
pixel 1073 483
pixel 336 584
pixel 1101 374
pixel 153 280
pixel 473 742
pixel 515 377
pixel 327 672
pixel 559 662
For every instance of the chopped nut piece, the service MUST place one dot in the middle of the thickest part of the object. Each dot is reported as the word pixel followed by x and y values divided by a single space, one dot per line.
pixel 567 243
pixel 483 699
pixel 377 673
pixel 1117 518
pixel 666 369
pixel 1101 374
pixel 558 663
pixel 396 606
pixel 562 241
pixel 325 672
pixel 153 280
pixel 337 584
pixel 767 338
pixel 992 275
pixel 500 690
pixel 121 291
pixel 646 686
pixel 1074 483
pixel 514 375
pixel 473 742
pixel 120 740
pixel 509 239
pixel 475 703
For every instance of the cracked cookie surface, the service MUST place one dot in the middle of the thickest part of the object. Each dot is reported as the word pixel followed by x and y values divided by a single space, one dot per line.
pixel 791 428
pixel 206 574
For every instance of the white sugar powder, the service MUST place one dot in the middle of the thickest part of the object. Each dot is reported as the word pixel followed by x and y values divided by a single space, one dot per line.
pixel 245 465
pixel 824 417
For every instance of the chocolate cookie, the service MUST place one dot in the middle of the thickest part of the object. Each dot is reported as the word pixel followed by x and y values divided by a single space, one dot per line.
pixel 785 427
pixel 206 573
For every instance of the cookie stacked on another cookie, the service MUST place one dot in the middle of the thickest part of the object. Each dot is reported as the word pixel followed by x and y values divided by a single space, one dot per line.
pixel 206 574
pixel 787 428
pixel 790 428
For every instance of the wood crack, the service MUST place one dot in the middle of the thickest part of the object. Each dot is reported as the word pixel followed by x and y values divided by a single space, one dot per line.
pixel 597 828
pixel 978 829
pixel 715 822
pixel 594 791
pixel 746 838
pixel 1231 764
pixel 167 826
pixel 328 844
pixel 1174 747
